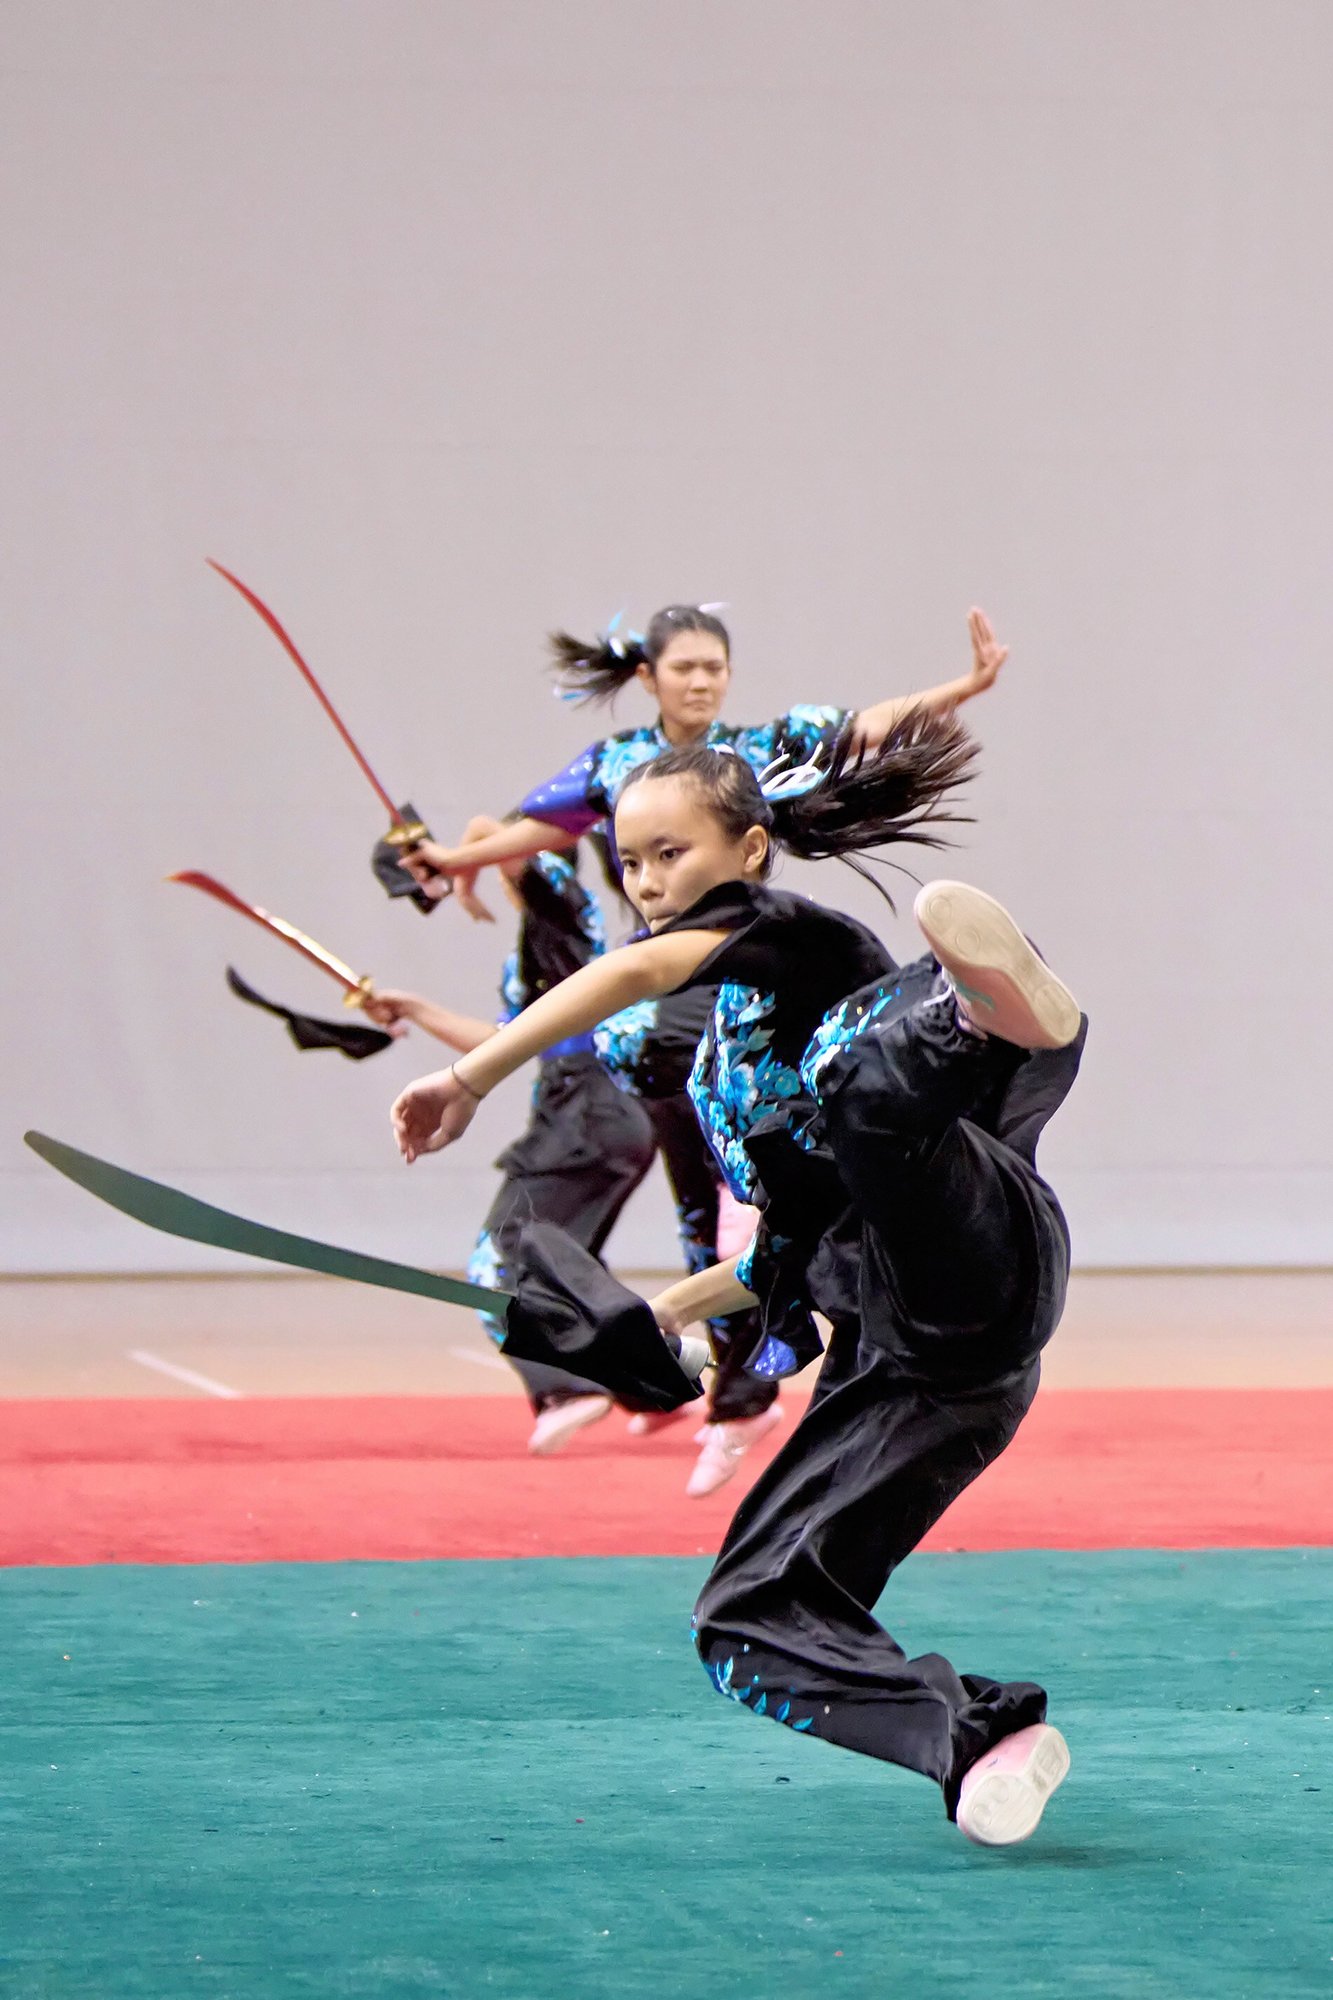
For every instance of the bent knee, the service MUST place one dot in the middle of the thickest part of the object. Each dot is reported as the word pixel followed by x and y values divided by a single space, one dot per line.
pixel 758 1681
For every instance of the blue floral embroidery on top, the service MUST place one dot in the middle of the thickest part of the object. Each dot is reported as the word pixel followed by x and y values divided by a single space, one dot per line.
pixel 584 792
pixel 620 1039
pixel 841 1027
pixel 799 732
pixel 737 1080
pixel 623 754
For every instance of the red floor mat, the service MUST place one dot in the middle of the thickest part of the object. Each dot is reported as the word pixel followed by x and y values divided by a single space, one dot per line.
pixel 295 1480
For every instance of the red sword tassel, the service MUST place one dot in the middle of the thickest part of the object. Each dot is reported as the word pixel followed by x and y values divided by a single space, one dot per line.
pixel 403 834
pixel 356 991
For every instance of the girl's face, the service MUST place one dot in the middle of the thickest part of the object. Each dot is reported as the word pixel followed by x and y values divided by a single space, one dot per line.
pixel 673 848
pixel 690 682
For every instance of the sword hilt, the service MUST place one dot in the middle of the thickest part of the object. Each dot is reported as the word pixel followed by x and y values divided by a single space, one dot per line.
pixel 357 996
pixel 406 833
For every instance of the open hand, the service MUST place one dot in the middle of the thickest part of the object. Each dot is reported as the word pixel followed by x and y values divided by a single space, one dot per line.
pixel 430 1114
pixel 988 655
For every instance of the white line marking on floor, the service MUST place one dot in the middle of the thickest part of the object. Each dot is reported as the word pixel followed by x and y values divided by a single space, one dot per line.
pixel 204 1382
pixel 482 1360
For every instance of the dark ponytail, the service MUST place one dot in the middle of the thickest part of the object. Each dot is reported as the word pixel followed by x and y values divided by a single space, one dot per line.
pixel 596 672
pixel 898 793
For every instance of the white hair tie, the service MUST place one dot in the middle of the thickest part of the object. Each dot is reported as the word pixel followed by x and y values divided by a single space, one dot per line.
pixel 784 780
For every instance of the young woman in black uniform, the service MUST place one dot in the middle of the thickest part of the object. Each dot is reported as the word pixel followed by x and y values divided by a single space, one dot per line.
pixel 886 1120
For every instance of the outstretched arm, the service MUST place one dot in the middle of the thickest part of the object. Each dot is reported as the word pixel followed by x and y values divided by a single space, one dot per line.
pixel 872 725
pixel 435 866
pixel 556 814
pixel 438 1109
pixel 388 1005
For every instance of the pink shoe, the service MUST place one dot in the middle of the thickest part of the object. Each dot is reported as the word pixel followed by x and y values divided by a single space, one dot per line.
pixel 724 1446
pixel 556 1426
pixel 1000 982
pixel 647 1423
pixel 1005 1792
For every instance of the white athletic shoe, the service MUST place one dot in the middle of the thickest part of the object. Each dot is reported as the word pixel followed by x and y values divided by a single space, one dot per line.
pixel 557 1425
pixel 1002 984
pixel 724 1446
pixel 1004 1794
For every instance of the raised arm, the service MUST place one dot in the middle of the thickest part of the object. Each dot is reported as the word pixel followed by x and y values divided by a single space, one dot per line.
pixel 438 1109
pixel 988 656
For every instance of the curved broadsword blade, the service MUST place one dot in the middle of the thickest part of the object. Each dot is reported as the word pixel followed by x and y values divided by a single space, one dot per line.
pixel 181 1215
pixel 289 646
pixel 355 990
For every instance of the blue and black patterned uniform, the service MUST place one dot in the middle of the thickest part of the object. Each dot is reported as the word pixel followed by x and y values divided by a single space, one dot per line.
pixel 893 1158
pixel 587 1145
pixel 649 1049
pixel 583 795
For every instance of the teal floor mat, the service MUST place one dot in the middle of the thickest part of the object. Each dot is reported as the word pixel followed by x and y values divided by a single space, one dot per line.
pixel 513 1779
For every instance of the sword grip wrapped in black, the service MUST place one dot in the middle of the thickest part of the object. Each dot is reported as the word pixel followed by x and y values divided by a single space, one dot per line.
pixel 570 1313
pixel 390 872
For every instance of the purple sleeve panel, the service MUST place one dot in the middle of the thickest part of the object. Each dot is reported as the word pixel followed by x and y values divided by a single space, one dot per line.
pixel 563 800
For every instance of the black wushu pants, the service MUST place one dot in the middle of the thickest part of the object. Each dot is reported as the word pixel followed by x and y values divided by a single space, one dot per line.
pixel 963 1258
pixel 944 1278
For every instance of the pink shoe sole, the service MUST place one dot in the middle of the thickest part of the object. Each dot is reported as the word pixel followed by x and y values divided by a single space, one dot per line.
pixel 1004 1794
pixel 724 1446
pixel 1004 984
pixel 556 1426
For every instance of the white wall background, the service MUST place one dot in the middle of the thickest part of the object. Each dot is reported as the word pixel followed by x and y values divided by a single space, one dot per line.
pixel 443 323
